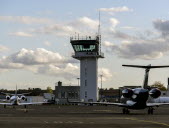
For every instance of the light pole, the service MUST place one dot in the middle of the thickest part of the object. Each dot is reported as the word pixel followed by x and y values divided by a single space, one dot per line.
pixel 78 80
pixel 101 85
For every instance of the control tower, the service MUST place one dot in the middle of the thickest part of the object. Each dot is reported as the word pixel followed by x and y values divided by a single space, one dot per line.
pixel 88 51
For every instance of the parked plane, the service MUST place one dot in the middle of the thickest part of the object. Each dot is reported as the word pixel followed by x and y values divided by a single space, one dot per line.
pixel 137 98
pixel 15 100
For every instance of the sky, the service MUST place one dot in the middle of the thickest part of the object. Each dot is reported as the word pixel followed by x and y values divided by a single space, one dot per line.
pixel 35 49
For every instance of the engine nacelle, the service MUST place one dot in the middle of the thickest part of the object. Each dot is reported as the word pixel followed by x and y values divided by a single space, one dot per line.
pixel 8 97
pixel 127 93
pixel 23 98
pixel 155 93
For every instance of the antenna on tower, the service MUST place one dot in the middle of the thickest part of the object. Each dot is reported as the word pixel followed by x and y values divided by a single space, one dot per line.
pixel 99 24
pixel 99 34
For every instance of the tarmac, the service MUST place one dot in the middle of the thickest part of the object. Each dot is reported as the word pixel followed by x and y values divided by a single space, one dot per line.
pixel 56 116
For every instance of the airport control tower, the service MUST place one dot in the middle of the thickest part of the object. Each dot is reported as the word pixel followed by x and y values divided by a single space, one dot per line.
pixel 88 51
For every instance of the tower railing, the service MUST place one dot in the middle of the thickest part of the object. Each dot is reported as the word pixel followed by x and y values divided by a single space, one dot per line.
pixel 83 38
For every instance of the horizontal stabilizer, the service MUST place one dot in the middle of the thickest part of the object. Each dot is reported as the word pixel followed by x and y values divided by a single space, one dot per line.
pixel 148 66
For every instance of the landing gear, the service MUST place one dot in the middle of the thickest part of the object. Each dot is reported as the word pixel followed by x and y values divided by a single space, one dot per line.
pixel 151 111
pixel 126 111
pixel 4 106
pixel 25 106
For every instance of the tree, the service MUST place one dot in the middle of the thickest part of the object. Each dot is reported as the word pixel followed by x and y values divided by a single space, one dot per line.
pixel 49 90
pixel 159 85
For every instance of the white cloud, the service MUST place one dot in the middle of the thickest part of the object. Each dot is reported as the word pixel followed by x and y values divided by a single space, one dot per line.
pixel 68 71
pixel 26 19
pixel 88 22
pixel 82 26
pixel 3 48
pixel 40 61
pixel 147 45
pixel 57 29
pixel 39 56
pixel 149 49
pixel 22 34
pixel 116 9
pixel 162 26
pixel 107 44
pixel 47 43
pixel 114 22
pixel 129 28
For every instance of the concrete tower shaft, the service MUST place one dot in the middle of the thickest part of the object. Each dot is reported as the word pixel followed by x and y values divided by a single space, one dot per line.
pixel 88 51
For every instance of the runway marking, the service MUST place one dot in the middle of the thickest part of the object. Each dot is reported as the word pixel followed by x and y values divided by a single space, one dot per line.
pixel 68 122
pixel 102 110
pixel 139 120
pixel 148 121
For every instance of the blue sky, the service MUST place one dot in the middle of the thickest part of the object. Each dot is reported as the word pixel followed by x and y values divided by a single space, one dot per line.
pixel 35 49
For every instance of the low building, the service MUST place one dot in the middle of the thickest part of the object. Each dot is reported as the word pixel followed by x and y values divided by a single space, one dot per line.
pixel 64 92
pixel 110 95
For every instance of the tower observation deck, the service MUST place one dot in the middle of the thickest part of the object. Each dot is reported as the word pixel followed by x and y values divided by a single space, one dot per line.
pixel 88 51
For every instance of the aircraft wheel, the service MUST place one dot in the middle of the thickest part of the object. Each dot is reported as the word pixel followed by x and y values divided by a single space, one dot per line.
pixel 4 106
pixel 25 106
pixel 127 111
pixel 152 111
pixel 149 111
pixel 124 111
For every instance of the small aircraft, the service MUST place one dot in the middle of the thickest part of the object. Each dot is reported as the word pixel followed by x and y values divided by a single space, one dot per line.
pixel 15 100
pixel 137 98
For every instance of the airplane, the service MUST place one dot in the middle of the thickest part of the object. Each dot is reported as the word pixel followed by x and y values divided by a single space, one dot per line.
pixel 137 98
pixel 15 100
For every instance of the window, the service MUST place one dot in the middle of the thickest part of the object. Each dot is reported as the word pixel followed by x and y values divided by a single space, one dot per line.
pixel 85 48
pixel 85 71
pixel 85 82
pixel 85 94
pixel 62 94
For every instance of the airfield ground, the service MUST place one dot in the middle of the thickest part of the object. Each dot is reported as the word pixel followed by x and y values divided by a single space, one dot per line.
pixel 55 116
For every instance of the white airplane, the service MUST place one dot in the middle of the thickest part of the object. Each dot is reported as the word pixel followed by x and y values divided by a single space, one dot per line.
pixel 15 100
pixel 136 98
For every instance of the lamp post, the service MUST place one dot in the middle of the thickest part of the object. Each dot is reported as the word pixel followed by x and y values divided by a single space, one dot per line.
pixel 101 85
pixel 78 80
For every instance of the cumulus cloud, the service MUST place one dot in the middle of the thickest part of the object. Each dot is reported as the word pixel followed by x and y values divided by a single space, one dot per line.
pixel 88 22
pixel 162 26
pixel 121 35
pixel 83 25
pixel 57 29
pixel 26 19
pixel 40 61
pixel 147 45
pixel 149 49
pixel 114 22
pixel 116 9
pixel 38 56
pixel 3 48
pixel 67 71
pixel 22 34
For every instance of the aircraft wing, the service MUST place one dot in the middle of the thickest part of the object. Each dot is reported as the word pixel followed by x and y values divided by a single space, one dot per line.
pixel 5 104
pixel 156 104
pixel 98 103
pixel 109 103
pixel 31 103
pixel 24 94
pixel 5 93
pixel 148 66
